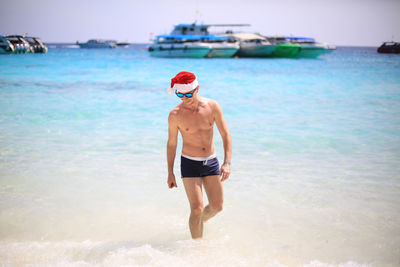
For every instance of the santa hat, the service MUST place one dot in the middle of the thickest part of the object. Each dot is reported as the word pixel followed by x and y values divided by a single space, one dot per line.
pixel 183 82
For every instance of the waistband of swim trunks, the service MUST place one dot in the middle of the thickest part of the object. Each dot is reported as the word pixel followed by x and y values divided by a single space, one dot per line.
pixel 200 158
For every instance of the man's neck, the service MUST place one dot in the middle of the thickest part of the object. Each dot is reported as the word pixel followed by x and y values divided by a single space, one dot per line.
pixel 194 105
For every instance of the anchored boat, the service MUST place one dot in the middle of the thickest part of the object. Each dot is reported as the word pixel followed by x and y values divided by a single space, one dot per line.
pixel 193 40
pixel 98 43
pixel 37 46
pixel 309 48
pixel 21 46
pixel 283 47
pixel 389 48
pixel 178 45
pixel 5 46
pixel 253 45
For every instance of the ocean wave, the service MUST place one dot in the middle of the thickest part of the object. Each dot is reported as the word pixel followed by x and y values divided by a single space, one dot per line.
pixel 89 253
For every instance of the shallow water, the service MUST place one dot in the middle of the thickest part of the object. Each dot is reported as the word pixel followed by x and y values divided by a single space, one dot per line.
pixel 316 160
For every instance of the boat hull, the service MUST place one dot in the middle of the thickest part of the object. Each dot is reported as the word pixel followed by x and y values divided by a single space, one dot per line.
pixel 311 51
pixel 179 51
pixel 286 50
pixel 389 48
pixel 95 46
pixel 256 51
pixel 222 52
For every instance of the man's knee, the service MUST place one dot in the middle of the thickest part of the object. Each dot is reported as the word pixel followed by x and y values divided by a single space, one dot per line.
pixel 197 210
pixel 217 207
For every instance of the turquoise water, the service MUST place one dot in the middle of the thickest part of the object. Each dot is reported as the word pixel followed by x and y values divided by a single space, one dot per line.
pixel 316 160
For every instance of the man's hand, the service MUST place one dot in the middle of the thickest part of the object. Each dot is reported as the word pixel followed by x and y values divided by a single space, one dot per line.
pixel 171 181
pixel 225 171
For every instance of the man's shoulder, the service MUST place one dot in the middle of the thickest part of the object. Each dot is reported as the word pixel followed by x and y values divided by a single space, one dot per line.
pixel 210 102
pixel 175 110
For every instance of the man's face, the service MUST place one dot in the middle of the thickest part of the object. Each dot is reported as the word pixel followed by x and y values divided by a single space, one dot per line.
pixel 188 97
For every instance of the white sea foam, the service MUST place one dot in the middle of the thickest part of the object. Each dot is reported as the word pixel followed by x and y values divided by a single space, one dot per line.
pixel 179 253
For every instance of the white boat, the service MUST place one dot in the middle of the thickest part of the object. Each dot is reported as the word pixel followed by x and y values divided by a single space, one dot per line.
pixel 178 46
pixel 253 45
pixel 37 46
pixel 5 46
pixel 98 43
pixel 21 46
pixel 309 48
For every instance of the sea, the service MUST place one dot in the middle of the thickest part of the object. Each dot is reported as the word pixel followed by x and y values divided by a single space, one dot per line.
pixel 315 176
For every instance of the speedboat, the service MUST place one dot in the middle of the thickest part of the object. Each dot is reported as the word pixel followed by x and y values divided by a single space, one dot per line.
pixel 389 47
pixel 21 46
pixel 309 48
pixel 283 47
pixel 253 45
pixel 37 46
pixel 5 46
pixel 177 45
pixel 98 43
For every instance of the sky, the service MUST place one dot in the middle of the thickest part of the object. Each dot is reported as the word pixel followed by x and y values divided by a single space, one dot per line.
pixel 336 22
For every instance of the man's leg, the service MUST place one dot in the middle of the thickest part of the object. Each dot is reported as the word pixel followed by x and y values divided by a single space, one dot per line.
pixel 215 195
pixel 195 196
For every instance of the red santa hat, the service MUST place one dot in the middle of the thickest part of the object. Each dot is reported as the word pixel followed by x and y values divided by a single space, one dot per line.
pixel 183 82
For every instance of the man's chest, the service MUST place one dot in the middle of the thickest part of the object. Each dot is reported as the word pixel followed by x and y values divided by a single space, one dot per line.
pixel 196 121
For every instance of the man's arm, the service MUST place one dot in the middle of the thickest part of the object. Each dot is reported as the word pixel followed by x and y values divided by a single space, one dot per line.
pixel 226 139
pixel 171 148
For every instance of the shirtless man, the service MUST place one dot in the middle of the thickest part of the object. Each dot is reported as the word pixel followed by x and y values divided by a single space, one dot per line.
pixel 194 118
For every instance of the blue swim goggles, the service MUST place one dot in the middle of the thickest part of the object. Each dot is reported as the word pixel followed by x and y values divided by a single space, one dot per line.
pixel 188 95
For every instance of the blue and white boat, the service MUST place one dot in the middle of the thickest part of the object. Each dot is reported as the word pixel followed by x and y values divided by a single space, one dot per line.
pixel 221 46
pixel 178 45
pixel 191 40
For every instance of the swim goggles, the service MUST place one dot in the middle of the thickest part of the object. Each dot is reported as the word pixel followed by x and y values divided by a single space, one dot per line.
pixel 188 95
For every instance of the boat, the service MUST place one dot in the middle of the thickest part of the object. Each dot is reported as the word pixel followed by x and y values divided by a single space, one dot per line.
pixel 389 48
pixel 5 46
pixel 221 46
pixel 123 44
pixel 178 45
pixel 98 43
pixel 195 40
pixel 37 46
pixel 253 45
pixel 223 49
pixel 283 47
pixel 21 46
pixel 309 48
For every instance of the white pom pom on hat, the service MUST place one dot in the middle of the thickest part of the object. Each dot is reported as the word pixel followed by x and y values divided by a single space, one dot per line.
pixel 183 82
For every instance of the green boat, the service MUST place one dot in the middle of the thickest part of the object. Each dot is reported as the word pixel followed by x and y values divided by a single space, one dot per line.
pixel 286 50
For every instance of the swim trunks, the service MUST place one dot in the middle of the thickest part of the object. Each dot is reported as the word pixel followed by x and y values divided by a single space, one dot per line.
pixel 198 166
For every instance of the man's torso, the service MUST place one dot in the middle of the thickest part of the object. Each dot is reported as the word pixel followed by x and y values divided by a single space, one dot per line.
pixel 196 127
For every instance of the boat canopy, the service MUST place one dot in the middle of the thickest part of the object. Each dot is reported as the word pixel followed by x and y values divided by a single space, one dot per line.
pixel 301 39
pixel 248 36
pixel 193 37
